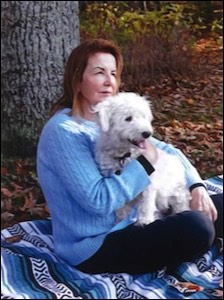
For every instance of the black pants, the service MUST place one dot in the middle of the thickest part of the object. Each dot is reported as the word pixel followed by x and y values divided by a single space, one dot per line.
pixel 167 242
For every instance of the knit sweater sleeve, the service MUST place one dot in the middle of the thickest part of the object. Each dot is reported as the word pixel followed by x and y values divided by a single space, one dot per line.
pixel 70 157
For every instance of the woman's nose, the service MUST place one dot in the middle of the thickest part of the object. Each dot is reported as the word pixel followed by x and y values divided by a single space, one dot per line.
pixel 108 80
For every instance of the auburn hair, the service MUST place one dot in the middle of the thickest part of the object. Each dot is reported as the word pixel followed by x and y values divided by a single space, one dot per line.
pixel 76 66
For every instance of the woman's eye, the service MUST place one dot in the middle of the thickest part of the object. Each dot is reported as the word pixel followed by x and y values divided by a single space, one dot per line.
pixel 128 119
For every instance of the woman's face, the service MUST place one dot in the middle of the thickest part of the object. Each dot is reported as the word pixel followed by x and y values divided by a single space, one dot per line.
pixel 98 81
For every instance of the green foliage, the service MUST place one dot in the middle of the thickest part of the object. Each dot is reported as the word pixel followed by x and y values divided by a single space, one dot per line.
pixel 217 26
pixel 155 43
pixel 119 23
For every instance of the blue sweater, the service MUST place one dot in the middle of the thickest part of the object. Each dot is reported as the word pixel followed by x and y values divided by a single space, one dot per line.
pixel 82 203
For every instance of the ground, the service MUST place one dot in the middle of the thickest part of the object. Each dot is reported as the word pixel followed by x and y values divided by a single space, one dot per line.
pixel 188 113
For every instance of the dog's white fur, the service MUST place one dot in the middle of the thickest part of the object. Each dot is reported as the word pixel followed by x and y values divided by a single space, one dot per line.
pixel 126 124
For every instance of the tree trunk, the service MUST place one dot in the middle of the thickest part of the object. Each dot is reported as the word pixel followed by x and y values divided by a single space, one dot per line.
pixel 36 39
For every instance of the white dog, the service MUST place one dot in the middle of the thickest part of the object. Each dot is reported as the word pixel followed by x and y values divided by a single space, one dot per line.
pixel 125 121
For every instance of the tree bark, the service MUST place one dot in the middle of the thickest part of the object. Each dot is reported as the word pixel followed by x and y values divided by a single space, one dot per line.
pixel 36 39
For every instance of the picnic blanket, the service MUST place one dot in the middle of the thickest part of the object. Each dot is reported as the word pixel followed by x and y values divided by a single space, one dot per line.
pixel 31 270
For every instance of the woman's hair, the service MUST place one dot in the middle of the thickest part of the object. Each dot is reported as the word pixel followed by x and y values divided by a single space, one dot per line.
pixel 75 68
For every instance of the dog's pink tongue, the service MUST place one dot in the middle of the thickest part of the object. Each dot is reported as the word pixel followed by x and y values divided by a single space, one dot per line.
pixel 142 145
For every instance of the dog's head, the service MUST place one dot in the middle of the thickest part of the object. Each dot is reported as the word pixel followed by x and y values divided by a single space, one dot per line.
pixel 127 116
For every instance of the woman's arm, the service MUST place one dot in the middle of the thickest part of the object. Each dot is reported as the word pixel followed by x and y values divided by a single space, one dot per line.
pixel 68 154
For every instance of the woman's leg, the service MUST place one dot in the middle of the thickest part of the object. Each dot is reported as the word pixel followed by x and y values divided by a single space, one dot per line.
pixel 218 201
pixel 142 249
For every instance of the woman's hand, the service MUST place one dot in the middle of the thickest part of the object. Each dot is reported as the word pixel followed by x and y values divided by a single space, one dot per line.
pixel 201 201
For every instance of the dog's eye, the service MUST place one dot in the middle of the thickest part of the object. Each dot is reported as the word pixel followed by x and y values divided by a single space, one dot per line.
pixel 128 119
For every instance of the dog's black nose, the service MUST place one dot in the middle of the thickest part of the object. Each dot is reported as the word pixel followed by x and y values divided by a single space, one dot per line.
pixel 146 134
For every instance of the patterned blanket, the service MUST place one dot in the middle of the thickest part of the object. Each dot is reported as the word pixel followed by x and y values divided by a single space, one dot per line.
pixel 31 270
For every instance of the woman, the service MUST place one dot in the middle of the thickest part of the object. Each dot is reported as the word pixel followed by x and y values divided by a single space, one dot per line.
pixel 82 202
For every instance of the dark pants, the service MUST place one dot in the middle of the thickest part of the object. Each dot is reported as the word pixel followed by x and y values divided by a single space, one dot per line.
pixel 167 242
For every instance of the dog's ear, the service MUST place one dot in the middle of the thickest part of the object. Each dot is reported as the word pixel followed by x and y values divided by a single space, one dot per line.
pixel 104 118
pixel 101 112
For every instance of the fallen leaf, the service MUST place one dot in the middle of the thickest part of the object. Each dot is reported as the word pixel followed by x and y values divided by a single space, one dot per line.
pixel 190 101
pixel 7 216
pixel 6 192
pixel 14 239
